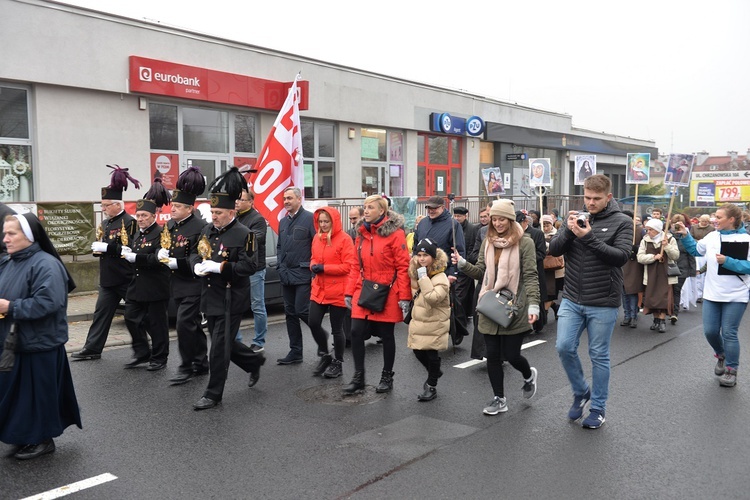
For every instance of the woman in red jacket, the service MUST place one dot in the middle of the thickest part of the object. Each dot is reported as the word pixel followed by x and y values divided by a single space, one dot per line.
pixel 332 260
pixel 381 258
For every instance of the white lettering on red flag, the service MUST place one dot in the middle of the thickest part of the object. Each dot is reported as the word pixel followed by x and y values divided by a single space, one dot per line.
pixel 280 162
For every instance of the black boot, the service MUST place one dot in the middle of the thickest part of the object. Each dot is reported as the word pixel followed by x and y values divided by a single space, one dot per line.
pixel 325 360
pixel 555 306
pixel 429 393
pixel 356 385
pixel 386 382
pixel 654 325
pixel 662 325
pixel 333 370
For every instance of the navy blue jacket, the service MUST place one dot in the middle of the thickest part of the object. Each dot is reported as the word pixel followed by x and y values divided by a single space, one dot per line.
pixel 439 231
pixel 294 248
pixel 36 285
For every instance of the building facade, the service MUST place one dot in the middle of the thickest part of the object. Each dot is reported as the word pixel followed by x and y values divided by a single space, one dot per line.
pixel 80 89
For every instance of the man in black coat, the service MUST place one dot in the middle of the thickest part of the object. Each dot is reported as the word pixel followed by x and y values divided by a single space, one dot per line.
pixel 185 228
pixel 115 273
pixel 294 250
pixel 464 287
pixel 148 292
pixel 228 258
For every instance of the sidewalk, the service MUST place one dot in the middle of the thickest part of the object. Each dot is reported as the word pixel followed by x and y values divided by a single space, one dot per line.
pixel 81 312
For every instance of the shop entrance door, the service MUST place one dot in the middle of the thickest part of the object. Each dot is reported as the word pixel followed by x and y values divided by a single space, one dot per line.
pixel 211 167
pixel 438 181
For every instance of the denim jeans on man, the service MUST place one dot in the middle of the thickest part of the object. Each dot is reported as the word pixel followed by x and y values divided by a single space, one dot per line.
pixel 630 304
pixel 721 321
pixel 572 320
pixel 258 306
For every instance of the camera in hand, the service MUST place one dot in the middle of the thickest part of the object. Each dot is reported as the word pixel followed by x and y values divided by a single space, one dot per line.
pixel 581 219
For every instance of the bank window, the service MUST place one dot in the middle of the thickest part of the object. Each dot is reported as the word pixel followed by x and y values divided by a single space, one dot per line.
pixel 16 181
pixel 244 134
pixel 318 150
pixel 163 126
pixel 205 130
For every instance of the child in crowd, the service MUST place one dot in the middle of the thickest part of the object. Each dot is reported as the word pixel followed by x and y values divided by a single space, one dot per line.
pixel 430 323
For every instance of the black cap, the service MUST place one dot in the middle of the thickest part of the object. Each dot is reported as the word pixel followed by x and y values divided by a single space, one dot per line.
pixel 461 210
pixel 435 202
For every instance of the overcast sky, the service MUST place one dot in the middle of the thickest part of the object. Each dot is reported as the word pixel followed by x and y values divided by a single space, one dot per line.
pixel 675 72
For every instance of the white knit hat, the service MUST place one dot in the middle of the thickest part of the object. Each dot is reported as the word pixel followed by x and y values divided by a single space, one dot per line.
pixel 655 224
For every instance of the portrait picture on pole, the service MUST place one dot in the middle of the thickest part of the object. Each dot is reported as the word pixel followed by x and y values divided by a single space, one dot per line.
pixel 539 172
pixel 679 167
pixel 493 181
pixel 585 168
pixel 639 168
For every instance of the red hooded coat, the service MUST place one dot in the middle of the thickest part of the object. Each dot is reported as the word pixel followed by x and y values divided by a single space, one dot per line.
pixel 383 251
pixel 338 259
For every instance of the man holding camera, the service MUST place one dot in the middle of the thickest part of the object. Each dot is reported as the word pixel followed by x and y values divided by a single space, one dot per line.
pixel 596 245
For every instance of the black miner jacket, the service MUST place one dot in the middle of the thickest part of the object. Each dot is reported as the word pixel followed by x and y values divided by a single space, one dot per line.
pixel 593 263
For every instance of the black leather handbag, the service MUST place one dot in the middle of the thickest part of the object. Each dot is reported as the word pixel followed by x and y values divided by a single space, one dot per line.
pixel 373 295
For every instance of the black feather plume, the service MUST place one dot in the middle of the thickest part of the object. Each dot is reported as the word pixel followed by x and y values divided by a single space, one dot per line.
pixel 231 182
pixel 191 181
pixel 120 177
pixel 158 193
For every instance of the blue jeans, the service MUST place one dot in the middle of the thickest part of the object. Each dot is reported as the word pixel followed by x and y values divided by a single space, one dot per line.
pixel 720 323
pixel 258 306
pixel 630 304
pixel 572 320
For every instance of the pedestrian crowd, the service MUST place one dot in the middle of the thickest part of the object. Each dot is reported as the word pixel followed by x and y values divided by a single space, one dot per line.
pixel 504 274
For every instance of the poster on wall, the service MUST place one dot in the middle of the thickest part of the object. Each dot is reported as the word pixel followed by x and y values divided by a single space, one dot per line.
pixel 585 168
pixel 540 172
pixel 493 181
pixel 679 167
pixel 639 168
pixel 70 226
pixel 168 165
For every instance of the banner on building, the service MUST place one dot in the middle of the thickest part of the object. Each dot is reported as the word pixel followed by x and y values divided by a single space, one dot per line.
pixel 70 226
pixel 279 164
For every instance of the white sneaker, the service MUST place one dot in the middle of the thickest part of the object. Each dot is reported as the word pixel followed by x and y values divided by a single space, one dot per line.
pixel 497 405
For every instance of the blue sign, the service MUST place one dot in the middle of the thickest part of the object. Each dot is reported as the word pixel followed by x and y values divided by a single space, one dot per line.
pixel 447 124
pixel 474 126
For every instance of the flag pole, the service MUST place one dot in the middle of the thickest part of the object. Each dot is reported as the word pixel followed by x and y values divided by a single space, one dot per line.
pixel 635 211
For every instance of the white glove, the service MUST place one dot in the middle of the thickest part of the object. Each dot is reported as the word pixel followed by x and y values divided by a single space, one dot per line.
pixel 130 257
pixel 99 246
pixel 162 254
pixel 172 263
pixel 200 269
pixel 125 250
pixel 421 272
pixel 211 266
pixel 404 305
pixel 348 302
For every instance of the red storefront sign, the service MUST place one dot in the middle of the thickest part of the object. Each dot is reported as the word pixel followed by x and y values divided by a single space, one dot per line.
pixel 168 166
pixel 151 76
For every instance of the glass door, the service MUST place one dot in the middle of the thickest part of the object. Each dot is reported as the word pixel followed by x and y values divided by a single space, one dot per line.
pixel 374 180
pixel 439 181
pixel 211 167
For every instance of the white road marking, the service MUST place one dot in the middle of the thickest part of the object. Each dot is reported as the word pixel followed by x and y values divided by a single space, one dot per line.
pixel 473 362
pixel 74 487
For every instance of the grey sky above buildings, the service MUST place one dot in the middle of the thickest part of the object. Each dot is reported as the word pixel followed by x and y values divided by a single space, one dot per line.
pixel 672 71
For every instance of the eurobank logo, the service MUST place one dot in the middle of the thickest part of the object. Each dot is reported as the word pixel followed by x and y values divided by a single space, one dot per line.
pixel 146 74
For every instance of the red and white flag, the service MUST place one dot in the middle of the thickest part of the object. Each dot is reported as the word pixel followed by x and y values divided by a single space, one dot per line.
pixel 279 164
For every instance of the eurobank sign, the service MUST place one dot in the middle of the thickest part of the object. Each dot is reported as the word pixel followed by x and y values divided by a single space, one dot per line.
pixel 152 76
pixel 447 124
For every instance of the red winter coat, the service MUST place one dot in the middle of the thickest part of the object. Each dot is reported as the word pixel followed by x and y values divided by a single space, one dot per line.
pixel 338 259
pixel 383 250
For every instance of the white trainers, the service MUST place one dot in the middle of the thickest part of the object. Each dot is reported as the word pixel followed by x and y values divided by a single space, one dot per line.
pixel 729 379
pixel 497 405
pixel 720 365
pixel 529 386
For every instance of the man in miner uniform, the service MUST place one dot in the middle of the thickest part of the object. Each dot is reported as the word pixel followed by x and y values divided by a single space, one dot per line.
pixel 114 272
pixel 148 292
pixel 185 228
pixel 229 261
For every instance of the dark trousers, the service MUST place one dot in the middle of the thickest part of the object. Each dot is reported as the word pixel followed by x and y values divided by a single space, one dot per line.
pixel 464 292
pixel 363 329
pixel 225 349
pixel 296 308
pixel 508 347
pixel 151 318
pixel 191 340
pixel 106 304
pixel 430 359
pixel 677 294
pixel 337 315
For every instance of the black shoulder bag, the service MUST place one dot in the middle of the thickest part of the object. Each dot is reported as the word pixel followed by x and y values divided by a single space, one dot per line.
pixel 373 296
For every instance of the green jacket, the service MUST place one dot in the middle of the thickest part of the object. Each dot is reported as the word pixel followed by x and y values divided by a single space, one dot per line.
pixel 528 288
